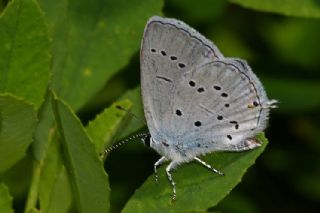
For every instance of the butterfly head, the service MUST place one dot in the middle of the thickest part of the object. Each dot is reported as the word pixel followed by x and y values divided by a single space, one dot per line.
pixel 146 139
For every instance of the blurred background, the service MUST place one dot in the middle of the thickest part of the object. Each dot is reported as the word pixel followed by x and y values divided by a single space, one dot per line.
pixel 284 52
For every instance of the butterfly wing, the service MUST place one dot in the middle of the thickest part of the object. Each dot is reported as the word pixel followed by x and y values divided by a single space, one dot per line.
pixel 221 104
pixel 169 49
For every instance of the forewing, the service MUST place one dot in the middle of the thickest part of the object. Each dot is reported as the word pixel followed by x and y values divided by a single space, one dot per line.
pixel 169 49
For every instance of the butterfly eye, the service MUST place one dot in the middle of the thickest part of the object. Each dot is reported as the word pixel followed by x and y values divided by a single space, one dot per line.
pixel 146 140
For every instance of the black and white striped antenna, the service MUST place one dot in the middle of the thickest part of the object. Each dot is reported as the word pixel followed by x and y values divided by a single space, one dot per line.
pixel 131 138
pixel 120 143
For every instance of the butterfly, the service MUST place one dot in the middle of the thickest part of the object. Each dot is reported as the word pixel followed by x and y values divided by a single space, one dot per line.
pixel 196 101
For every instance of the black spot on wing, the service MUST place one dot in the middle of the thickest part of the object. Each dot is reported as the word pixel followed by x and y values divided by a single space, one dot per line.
pixel 163 53
pixel 178 112
pixel 197 123
pixel 192 83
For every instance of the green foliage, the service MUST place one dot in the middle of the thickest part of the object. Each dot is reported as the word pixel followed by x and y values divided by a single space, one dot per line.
pixel 18 121
pixel 306 8
pixel 304 33
pixel 135 124
pixel 197 188
pixel 24 52
pixel 55 194
pixel 88 180
pixel 295 95
pixel 5 199
pixel 89 33
pixel 65 66
pixel 106 125
pixel 203 11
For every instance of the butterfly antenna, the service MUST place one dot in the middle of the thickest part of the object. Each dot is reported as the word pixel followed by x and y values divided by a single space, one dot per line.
pixel 133 137
pixel 130 113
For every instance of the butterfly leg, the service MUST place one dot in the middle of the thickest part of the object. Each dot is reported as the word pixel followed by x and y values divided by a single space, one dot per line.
pixel 208 166
pixel 157 164
pixel 169 169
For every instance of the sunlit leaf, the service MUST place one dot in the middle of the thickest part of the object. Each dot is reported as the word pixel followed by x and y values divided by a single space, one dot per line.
pixel 106 125
pixel 24 51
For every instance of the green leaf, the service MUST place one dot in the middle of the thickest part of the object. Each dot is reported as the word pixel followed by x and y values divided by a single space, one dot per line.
pixel 49 175
pixel 92 40
pixel 53 175
pixel 17 177
pixel 106 125
pixel 54 187
pixel 305 8
pixel 17 124
pixel 137 123
pixel 5 199
pixel 89 182
pixel 197 188
pixel 24 51
pixel 44 130
pixel 237 202
pixel 34 210
pixel 60 199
